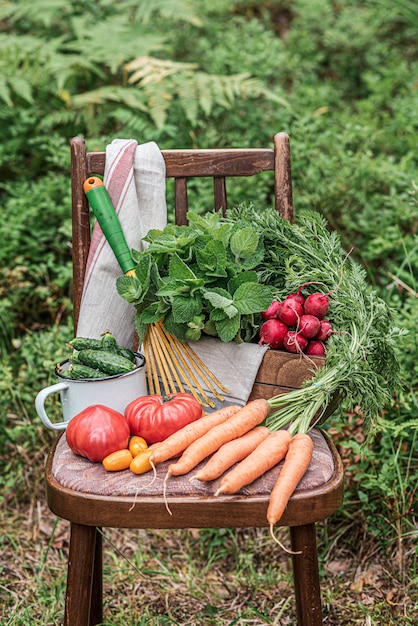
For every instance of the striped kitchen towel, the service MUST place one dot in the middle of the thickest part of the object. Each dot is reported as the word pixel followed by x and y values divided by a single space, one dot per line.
pixel 135 180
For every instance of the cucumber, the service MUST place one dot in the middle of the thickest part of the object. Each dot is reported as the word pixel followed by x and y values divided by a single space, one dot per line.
pixel 78 370
pixel 105 361
pixel 84 343
pixel 109 343
pixel 65 373
pixel 128 354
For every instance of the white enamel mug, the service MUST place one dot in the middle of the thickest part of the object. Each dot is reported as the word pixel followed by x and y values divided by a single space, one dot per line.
pixel 77 394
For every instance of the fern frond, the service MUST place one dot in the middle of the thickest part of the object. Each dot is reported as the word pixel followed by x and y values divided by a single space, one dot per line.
pixel 147 69
pixel 109 93
pixel 127 41
pixel 169 9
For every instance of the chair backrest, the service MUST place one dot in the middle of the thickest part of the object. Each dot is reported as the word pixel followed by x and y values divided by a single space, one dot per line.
pixel 181 165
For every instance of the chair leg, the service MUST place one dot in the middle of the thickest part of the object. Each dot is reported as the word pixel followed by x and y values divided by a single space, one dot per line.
pixel 96 605
pixel 306 575
pixel 80 575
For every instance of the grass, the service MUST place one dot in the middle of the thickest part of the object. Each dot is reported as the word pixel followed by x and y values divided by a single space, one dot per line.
pixel 202 577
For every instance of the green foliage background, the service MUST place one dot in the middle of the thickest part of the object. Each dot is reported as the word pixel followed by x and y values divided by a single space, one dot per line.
pixel 340 77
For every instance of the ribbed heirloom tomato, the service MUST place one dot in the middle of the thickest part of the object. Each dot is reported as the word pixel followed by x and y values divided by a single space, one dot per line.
pixel 156 417
pixel 97 431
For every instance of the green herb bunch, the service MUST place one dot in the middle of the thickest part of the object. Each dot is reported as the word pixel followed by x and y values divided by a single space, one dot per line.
pixel 199 278
pixel 361 366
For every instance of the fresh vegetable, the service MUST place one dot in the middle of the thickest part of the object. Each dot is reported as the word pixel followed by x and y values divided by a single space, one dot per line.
pixel 272 333
pixel 127 353
pixel 317 304
pixel 297 296
pixel 296 462
pixel 84 343
pixel 96 432
pixel 118 460
pixel 272 311
pixel 309 326
pixel 265 456
pixel 107 362
pixel 137 445
pixel 141 463
pixel 156 417
pixel 290 328
pixel 176 443
pixel 232 452
pixel 109 343
pixel 315 348
pixel 78 370
pixel 294 341
pixel 92 369
pixel 325 330
pixel 290 312
pixel 199 278
pixel 252 414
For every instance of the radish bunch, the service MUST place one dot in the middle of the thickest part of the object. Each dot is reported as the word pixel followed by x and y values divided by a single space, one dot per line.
pixel 297 324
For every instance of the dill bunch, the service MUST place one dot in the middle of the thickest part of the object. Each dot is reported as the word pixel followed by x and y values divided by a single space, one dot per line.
pixel 361 365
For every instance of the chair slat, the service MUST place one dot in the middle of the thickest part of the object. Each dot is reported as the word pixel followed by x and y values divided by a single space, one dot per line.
pixel 181 200
pixel 219 188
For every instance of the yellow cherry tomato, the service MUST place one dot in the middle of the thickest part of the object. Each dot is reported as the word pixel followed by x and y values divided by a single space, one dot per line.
pixel 140 464
pixel 118 460
pixel 137 445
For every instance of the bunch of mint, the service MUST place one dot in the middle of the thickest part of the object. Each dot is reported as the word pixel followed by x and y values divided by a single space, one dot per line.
pixel 199 278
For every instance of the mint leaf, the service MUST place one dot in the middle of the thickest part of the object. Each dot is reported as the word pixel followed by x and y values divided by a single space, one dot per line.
pixel 129 288
pixel 244 242
pixel 141 328
pixel 212 259
pixel 221 299
pixel 217 314
pixel 151 314
pixel 252 298
pixel 184 308
pixel 179 270
pixel 228 329
pixel 243 277
pixel 175 329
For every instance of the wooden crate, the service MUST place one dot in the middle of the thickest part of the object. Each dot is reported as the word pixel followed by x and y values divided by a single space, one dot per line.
pixel 281 372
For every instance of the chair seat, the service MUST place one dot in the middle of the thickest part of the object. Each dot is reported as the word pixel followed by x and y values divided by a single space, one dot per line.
pixel 78 479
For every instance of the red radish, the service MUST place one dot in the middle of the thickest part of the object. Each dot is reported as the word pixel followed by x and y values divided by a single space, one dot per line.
pixel 309 326
pixel 325 330
pixel 272 333
pixel 315 348
pixel 290 311
pixel 294 342
pixel 298 297
pixel 317 304
pixel 271 312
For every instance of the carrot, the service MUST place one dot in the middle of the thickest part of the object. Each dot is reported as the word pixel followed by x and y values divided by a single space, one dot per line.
pixel 176 443
pixel 265 456
pixel 250 415
pixel 232 452
pixel 294 467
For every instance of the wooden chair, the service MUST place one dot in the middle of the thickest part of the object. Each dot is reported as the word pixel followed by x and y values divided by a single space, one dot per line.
pixel 88 509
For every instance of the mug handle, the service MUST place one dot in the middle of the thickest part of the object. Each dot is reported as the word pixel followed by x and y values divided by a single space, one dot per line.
pixel 40 405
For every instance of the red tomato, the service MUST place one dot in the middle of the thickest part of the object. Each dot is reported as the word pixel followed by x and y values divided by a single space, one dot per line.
pixel 97 431
pixel 156 417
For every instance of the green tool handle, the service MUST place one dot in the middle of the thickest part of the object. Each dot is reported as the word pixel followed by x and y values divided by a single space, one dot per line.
pixel 106 215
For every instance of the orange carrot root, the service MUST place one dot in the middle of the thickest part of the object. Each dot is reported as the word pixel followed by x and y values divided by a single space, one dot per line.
pixel 273 536
pixel 296 463
pixel 167 476
pixel 231 452
pixel 241 422
pixel 265 456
